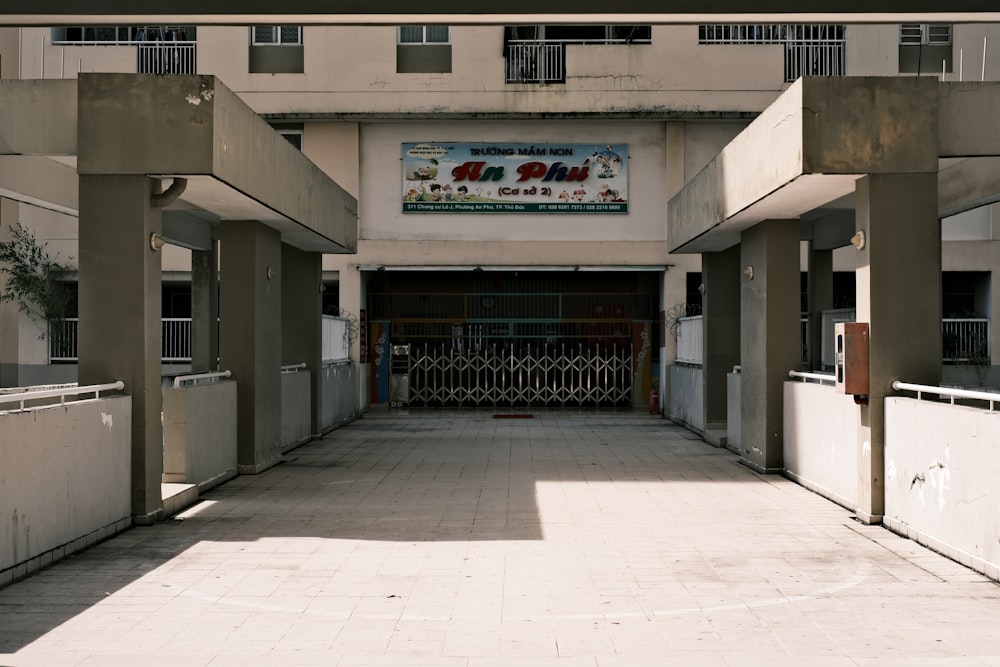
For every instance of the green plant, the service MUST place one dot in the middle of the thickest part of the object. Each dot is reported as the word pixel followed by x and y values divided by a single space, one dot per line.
pixel 34 278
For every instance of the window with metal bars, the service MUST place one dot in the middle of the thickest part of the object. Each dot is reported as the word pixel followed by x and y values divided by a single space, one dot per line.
pixel 925 33
pixel 281 35
pixel 424 34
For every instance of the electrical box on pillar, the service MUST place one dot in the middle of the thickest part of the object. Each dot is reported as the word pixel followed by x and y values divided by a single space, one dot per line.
pixel 852 363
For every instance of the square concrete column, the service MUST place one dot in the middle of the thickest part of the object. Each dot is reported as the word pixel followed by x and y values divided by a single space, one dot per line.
pixel 10 317
pixel 302 319
pixel 899 295
pixel 250 337
pixel 770 338
pixel 352 283
pixel 120 311
pixel 205 309
pixel 820 297
pixel 721 329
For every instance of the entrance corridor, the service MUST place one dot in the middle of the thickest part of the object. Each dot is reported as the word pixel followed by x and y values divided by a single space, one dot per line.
pixel 457 538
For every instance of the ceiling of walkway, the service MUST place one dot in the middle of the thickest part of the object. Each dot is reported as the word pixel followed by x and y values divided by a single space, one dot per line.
pixel 452 12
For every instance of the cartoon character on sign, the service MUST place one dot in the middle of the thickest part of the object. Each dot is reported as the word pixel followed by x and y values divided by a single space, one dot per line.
pixel 607 163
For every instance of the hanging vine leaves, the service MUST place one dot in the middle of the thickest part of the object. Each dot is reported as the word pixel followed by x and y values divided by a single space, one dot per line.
pixel 34 278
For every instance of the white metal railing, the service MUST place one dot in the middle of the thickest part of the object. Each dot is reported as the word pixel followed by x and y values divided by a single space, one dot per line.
pixel 60 393
pixel 196 378
pixel 175 337
pixel 822 378
pixel 166 58
pixel 815 58
pixel 965 340
pixel 536 61
pixel 769 33
pixel 336 340
pixel 948 392
pixel 293 368
pixel 690 340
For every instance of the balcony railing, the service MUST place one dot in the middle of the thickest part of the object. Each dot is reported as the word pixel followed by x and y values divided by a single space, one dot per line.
pixel 815 58
pixel 966 341
pixel 175 336
pixel 536 61
pixel 166 58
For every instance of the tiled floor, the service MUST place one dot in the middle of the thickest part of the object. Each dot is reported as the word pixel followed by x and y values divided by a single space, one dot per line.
pixel 455 538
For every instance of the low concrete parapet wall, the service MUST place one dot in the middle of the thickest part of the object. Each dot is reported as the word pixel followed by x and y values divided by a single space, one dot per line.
pixel 296 408
pixel 199 434
pixel 65 481
pixel 941 465
pixel 821 441
pixel 687 396
pixel 340 400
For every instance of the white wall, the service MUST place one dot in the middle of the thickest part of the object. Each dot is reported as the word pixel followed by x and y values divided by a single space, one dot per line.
pixel 199 433
pixel 296 408
pixel 65 480
pixel 687 396
pixel 941 468
pixel 339 394
pixel 821 440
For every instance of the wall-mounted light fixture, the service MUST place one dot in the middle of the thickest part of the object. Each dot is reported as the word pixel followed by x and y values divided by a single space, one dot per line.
pixel 156 242
pixel 701 288
pixel 271 273
pixel 748 272
pixel 858 240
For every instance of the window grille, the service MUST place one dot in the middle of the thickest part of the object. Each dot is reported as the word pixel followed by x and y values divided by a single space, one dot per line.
pixel 283 35
pixel 424 34
pixel 925 33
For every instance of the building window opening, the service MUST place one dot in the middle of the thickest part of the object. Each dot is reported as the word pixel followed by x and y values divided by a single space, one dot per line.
pixel 276 35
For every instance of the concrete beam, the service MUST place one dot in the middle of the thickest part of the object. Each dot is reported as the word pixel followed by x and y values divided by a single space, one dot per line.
pixel 968 184
pixel 237 166
pixel 41 182
pixel 967 113
pixel 804 151
pixel 37 117
pixel 393 12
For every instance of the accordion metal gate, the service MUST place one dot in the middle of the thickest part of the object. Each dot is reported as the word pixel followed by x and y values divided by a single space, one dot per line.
pixel 544 375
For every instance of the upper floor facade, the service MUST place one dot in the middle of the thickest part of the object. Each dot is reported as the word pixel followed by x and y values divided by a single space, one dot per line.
pixel 643 71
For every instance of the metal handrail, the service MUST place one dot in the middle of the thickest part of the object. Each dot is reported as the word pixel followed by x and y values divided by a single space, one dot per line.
pixel 96 389
pixel 194 377
pixel 948 392
pixel 821 377
pixel 293 368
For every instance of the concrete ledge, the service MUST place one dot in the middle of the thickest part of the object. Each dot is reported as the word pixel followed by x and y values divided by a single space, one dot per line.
pixel 984 567
pixel 258 468
pixel 819 490
pixel 54 555
pixel 177 497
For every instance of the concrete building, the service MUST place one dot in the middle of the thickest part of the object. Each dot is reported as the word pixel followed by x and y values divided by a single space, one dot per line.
pixel 518 216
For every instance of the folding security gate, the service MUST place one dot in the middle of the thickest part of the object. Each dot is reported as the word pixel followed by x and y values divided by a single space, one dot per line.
pixel 508 375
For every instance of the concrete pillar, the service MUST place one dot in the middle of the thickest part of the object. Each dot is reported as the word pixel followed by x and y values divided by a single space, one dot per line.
pixel 119 333
pixel 820 298
pixel 9 315
pixel 301 319
pixel 205 309
pixel 352 284
pixel 250 337
pixel 770 344
pixel 899 295
pixel 720 273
